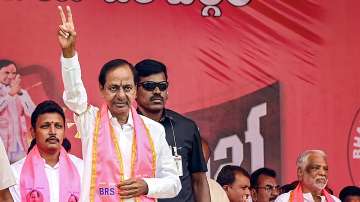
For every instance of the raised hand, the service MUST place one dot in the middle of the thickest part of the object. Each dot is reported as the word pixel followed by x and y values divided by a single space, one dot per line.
pixel 66 33
pixel 15 86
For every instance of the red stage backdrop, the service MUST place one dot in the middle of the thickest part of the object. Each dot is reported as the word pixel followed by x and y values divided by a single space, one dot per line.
pixel 264 80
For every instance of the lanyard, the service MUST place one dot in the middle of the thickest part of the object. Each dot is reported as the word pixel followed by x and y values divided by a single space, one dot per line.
pixel 173 134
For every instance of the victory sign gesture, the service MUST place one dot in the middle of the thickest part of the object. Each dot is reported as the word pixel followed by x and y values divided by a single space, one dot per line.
pixel 66 33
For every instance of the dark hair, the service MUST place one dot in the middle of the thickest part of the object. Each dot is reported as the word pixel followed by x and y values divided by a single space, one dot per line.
pixel 254 179
pixel 66 144
pixel 349 191
pixel 114 64
pixel 227 174
pixel 288 187
pixel 4 63
pixel 148 67
pixel 47 106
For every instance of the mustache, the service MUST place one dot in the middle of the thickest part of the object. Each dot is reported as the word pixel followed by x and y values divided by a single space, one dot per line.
pixel 321 178
pixel 127 102
pixel 122 101
pixel 156 97
pixel 52 137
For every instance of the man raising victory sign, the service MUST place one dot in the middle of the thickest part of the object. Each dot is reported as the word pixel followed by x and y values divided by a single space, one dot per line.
pixel 126 156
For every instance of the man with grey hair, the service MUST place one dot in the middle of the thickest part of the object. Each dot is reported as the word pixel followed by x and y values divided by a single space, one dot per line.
pixel 312 172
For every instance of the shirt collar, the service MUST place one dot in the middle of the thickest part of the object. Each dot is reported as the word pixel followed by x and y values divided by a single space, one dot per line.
pixel 310 197
pixel 162 118
pixel 56 166
pixel 129 122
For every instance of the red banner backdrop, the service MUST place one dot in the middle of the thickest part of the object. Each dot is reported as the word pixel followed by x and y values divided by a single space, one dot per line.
pixel 309 48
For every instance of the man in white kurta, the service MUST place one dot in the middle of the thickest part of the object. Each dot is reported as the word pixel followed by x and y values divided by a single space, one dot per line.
pixel 52 174
pixel 6 177
pixel 48 129
pixel 312 171
pixel 166 183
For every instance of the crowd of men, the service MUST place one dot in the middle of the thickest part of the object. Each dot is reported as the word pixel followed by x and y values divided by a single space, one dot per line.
pixel 142 152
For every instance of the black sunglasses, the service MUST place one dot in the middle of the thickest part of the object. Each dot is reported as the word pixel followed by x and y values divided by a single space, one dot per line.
pixel 151 85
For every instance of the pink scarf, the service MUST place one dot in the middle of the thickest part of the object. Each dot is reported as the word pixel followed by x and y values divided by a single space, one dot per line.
pixel 297 195
pixel 107 163
pixel 34 184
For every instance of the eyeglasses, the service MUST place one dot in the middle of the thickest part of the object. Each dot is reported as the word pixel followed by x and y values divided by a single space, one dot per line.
pixel 151 85
pixel 270 188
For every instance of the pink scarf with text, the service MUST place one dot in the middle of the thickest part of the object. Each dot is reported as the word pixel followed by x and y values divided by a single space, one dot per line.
pixel 107 162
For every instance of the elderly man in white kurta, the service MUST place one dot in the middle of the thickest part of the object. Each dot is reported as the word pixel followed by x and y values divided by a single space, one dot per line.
pixel 312 172
pixel 126 155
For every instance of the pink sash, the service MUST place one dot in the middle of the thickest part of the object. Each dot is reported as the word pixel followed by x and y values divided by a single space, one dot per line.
pixel 107 162
pixel 297 195
pixel 34 185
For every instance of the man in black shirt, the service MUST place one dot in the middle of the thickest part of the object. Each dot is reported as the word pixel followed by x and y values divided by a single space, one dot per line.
pixel 182 134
